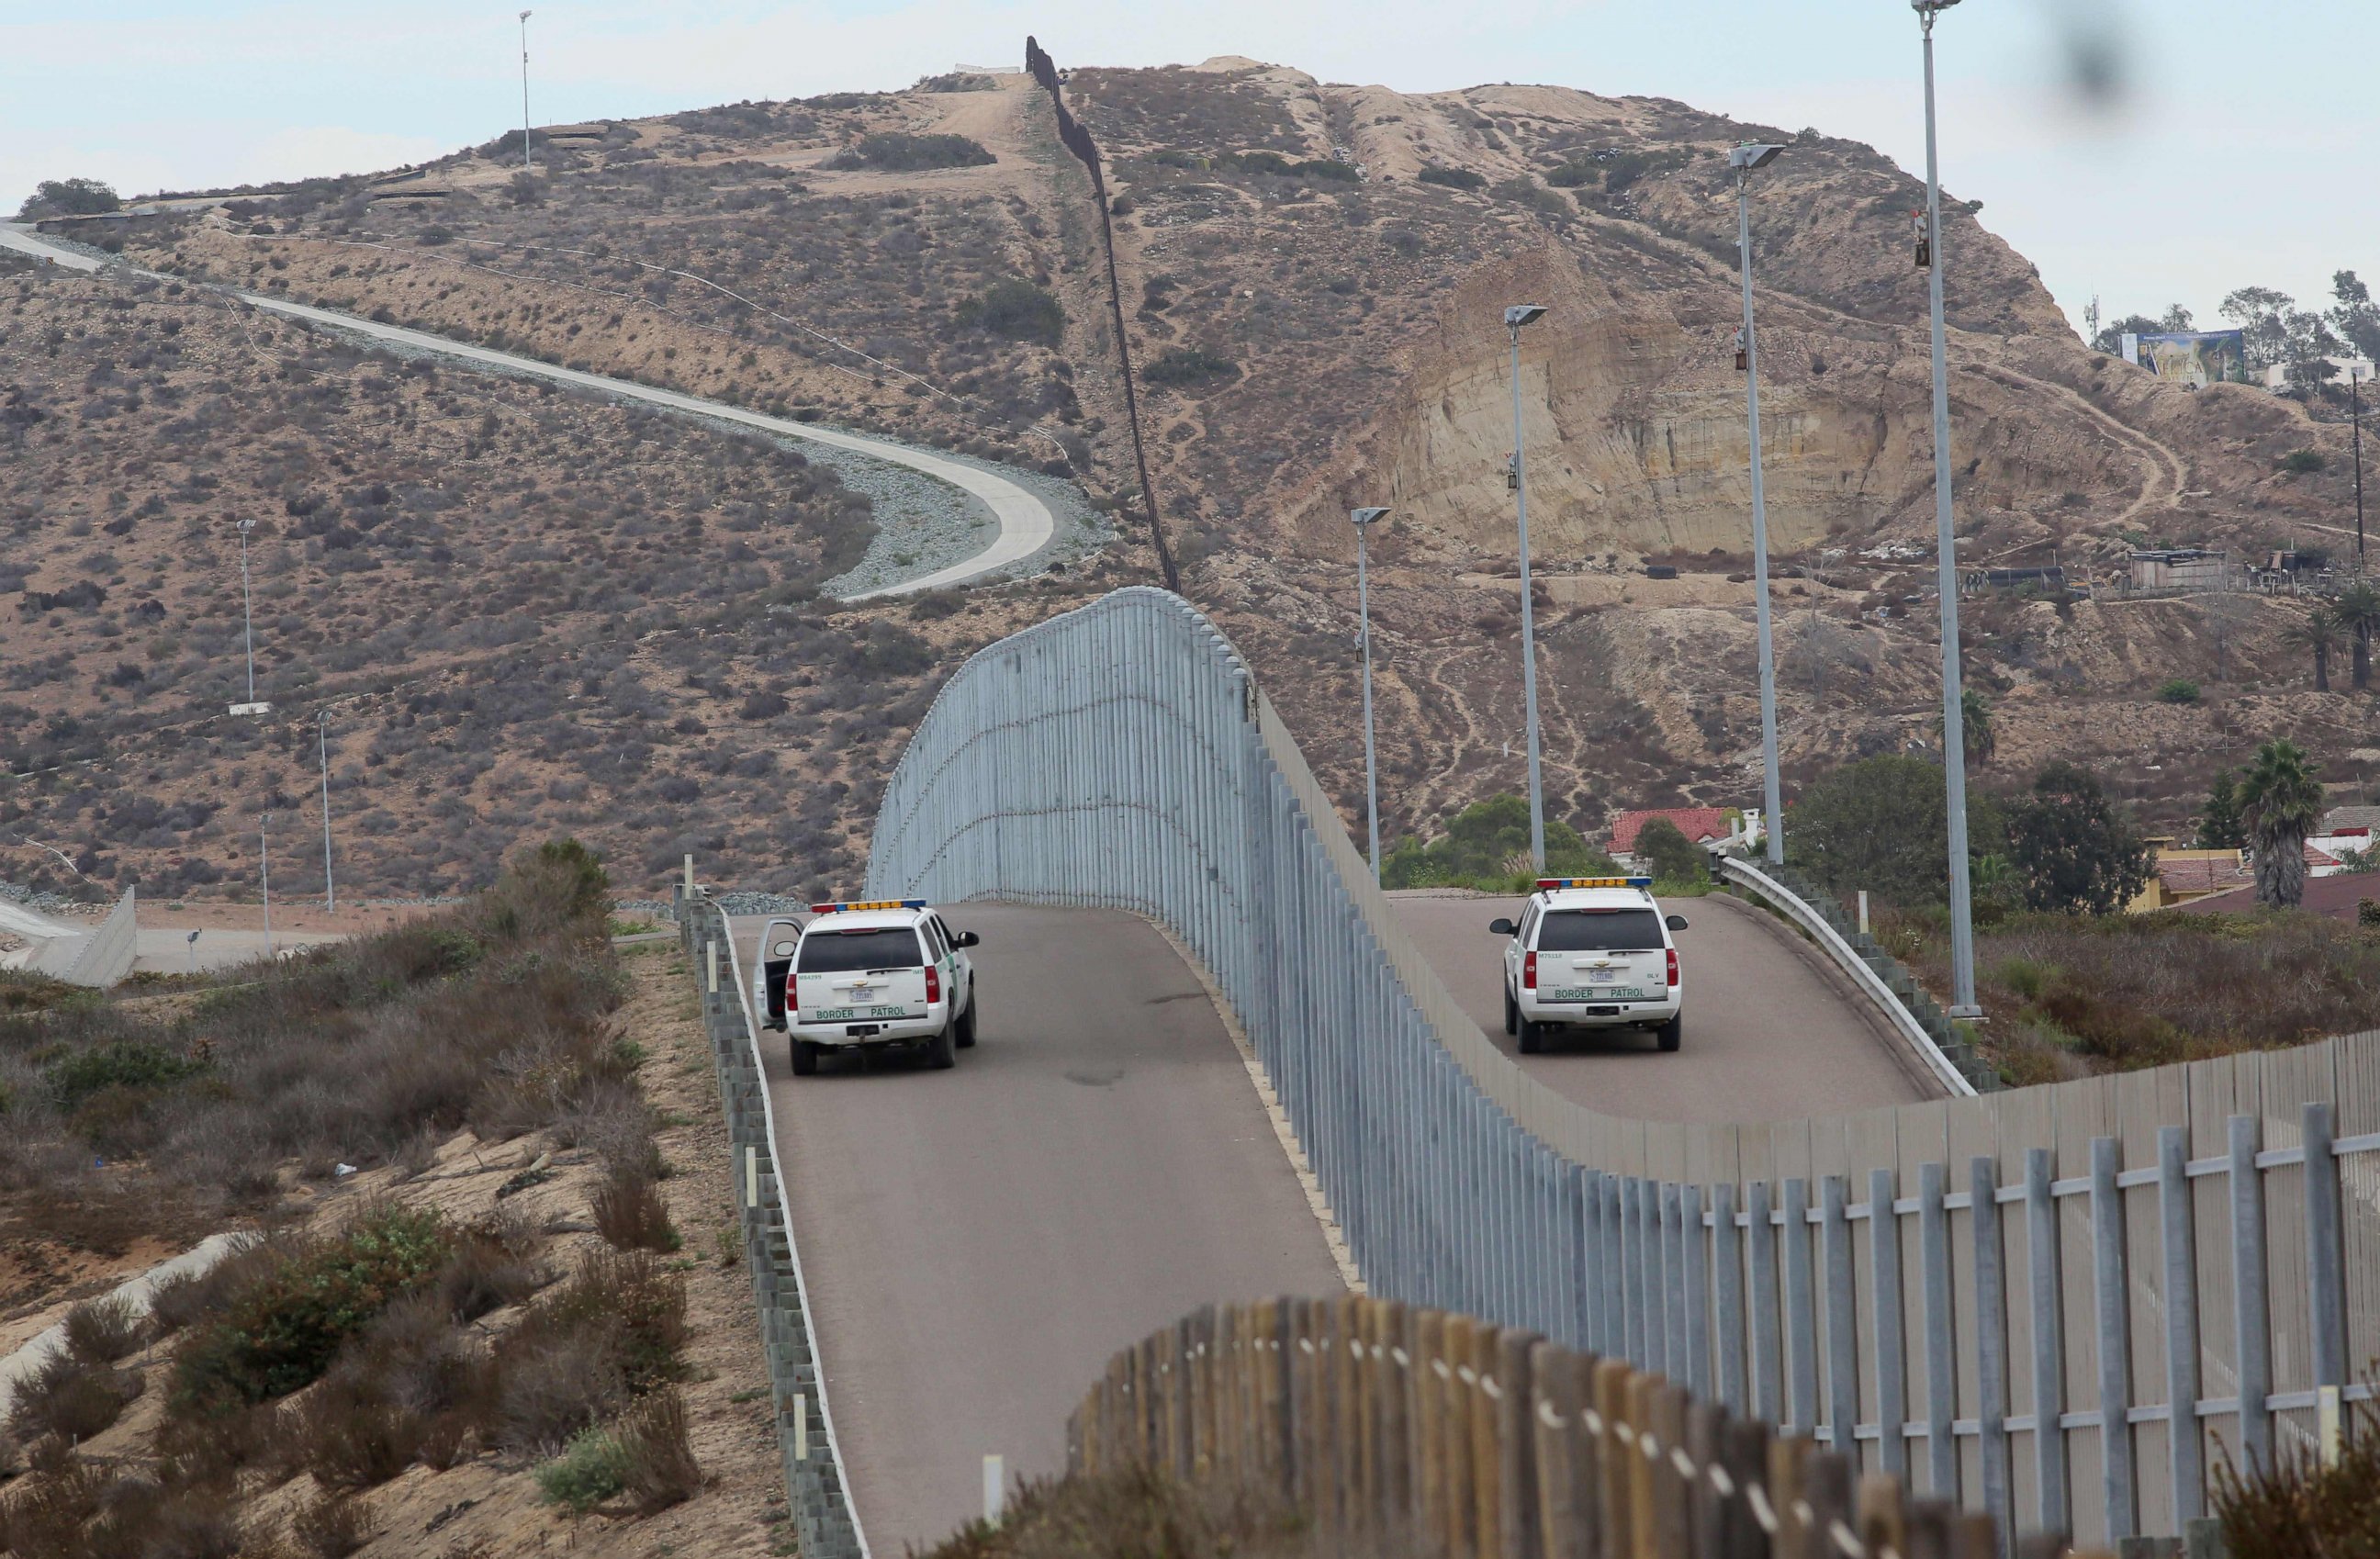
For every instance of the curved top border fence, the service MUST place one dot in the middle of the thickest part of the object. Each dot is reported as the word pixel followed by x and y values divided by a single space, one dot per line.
pixel 2088 1263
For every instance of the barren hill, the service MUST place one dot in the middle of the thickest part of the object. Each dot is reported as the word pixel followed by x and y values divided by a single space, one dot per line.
pixel 1312 275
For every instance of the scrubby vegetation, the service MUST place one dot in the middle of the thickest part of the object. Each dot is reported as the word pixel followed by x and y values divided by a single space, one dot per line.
pixel 1136 1510
pixel 126 1117
pixel 895 152
pixel 2069 995
pixel 2300 1507
pixel 347 1350
pixel 532 612
pixel 1486 846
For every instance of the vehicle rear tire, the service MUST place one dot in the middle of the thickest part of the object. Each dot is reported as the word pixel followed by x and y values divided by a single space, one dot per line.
pixel 1512 1014
pixel 806 1058
pixel 1532 1037
pixel 1671 1033
pixel 941 1054
pixel 966 1026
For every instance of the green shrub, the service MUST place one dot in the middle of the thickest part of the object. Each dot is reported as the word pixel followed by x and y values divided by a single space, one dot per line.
pixel 140 1064
pixel 1486 846
pixel 592 1469
pixel 1673 856
pixel 1625 168
pixel 1189 365
pixel 1019 310
pixel 282 1331
pixel 2304 462
pixel 891 152
pixel 1454 179
pixel 1526 192
pixel 1575 175
pixel 2180 690
pixel 69 197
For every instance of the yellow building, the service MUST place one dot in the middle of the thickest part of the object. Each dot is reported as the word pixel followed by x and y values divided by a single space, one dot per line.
pixel 2186 874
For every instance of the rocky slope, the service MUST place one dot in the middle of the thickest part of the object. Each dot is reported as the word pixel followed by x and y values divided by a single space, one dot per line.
pixel 1312 275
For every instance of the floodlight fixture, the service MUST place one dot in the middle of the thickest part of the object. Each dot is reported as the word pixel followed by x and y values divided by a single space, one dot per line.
pixel 1752 154
pixel 1521 314
pixel 1366 516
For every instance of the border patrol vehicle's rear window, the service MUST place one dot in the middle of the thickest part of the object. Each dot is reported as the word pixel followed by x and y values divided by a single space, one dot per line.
pixel 840 952
pixel 1593 931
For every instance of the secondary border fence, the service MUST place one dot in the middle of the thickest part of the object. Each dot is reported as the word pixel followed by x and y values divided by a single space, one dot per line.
pixel 100 957
pixel 2059 1306
pixel 1394 1430
pixel 825 1524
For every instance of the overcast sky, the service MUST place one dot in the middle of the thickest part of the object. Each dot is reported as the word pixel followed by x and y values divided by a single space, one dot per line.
pixel 2237 150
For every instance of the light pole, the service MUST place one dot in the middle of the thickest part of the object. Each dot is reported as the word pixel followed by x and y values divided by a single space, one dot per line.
pixel 1946 563
pixel 1364 519
pixel 1517 316
pixel 264 871
pixel 1743 159
pixel 247 608
pixel 2355 418
pixel 322 735
pixel 528 166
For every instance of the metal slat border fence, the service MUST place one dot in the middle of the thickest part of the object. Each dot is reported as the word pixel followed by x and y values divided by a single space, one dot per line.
pixel 826 1522
pixel 2062 1303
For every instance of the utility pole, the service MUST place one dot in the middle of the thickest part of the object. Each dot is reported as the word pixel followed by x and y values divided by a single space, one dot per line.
pixel 1517 316
pixel 2355 417
pixel 1364 519
pixel 322 734
pixel 528 165
pixel 247 608
pixel 1743 159
pixel 264 871
pixel 1954 732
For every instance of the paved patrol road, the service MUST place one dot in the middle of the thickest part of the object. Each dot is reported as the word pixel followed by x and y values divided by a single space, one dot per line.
pixel 1025 523
pixel 977 1241
pixel 1772 1031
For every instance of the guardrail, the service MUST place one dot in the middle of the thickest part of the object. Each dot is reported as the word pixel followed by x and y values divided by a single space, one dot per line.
pixel 1394 1429
pixel 826 1523
pixel 1820 1275
pixel 1953 1061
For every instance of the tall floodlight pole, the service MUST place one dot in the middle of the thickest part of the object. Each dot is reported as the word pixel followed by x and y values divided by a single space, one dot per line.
pixel 2355 417
pixel 1517 316
pixel 1743 159
pixel 1946 563
pixel 528 166
pixel 264 871
pixel 1364 519
pixel 322 735
pixel 246 608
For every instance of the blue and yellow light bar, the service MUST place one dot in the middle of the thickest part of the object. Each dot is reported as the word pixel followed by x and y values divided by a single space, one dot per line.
pixel 1595 882
pixel 875 904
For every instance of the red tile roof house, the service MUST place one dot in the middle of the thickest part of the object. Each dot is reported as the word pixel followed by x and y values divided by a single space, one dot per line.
pixel 1701 825
pixel 2336 897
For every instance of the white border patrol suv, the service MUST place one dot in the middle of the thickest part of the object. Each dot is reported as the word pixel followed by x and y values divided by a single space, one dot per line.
pixel 869 974
pixel 1592 953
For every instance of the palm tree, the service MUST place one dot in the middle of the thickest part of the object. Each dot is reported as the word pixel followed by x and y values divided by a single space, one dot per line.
pixel 2322 632
pixel 1976 736
pixel 2358 612
pixel 2282 801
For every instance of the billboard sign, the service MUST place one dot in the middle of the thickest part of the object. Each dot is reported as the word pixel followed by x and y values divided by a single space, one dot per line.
pixel 2194 357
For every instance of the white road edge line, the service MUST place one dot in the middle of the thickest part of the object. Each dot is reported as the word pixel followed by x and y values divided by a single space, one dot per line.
pixel 1025 523
pixel 1341 1257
